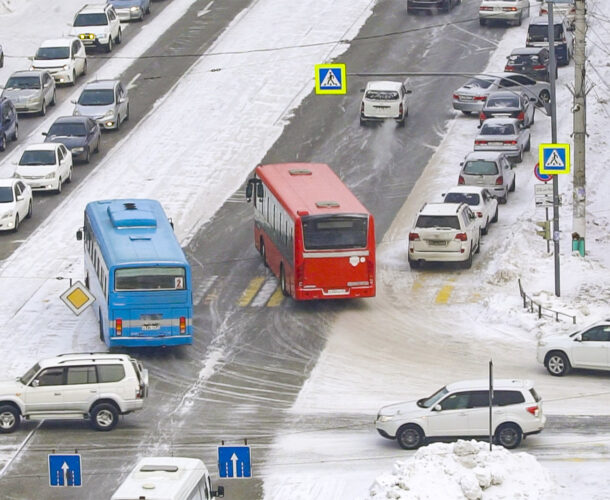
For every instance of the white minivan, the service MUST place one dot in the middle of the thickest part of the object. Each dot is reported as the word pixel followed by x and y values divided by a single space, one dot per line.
pixel 168 478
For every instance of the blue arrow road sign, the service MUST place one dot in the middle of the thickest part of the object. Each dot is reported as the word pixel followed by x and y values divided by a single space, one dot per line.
pixel 64 470
pixel 234 461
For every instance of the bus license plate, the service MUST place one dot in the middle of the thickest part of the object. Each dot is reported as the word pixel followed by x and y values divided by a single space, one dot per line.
pixel 151 327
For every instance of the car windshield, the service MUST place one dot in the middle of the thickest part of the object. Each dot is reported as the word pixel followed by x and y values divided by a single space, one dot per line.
pixel 438 221
pixel 96 97
pixel 93 19
pixel 540 32
pixel 6 194
pixel 382 95
pixel 429 402
pixel 478 83
pixel 480 167
pixel 29 375
pixel 23 82
pixel 325 232
pixel 470 198
pixel 506 129
pixel 38 157
pixel 150 278
pixel 47 53
pixel 68 129
pixel 503 102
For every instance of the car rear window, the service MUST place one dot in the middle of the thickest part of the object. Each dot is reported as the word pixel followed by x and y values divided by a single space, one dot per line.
pixel 382 95
pixel 480 167
pixel 503 102
pixel 470 198
pixel 444 221
pixel 110 373
pixel 505 398
pixel 478 83
pixel 506 129
pixel 539 32
pixel 527 60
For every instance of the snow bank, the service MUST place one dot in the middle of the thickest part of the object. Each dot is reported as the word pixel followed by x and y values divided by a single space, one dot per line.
pixel 463 470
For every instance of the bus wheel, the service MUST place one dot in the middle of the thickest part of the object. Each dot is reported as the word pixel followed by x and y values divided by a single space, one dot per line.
pixel 263 252
pixel 101 327
pixel 283 281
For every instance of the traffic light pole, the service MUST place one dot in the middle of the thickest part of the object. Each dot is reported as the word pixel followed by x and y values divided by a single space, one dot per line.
pixel 553 70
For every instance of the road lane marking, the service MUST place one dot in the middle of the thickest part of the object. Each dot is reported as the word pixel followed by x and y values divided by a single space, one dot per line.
pixel 205 10
pixel 251 290
pixel 443 295
pixel 276 298
pixel 265 293
pixel 131 83
pixel 203 288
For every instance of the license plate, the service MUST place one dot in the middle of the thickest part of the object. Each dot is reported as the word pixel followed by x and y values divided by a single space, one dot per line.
pixel 336 291
pixel 495 143
pixel 151 327
pixel 466 98
pixel 437 243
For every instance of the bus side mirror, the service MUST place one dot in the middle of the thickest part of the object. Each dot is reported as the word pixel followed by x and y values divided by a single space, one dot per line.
pixel 220 492
pixel 79 234
pixel 259 190
pixel 171 222
pixel 249 190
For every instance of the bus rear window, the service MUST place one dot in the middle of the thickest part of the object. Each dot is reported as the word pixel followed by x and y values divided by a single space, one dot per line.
pixel 335 231
pixel 150 278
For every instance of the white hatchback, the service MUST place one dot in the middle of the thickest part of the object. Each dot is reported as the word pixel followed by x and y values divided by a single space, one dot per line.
pixel 15 203
pixel 383 100
pixel 479 199
pixel 64 58
pixel 461 409
pixel 45 167
pixel 587 348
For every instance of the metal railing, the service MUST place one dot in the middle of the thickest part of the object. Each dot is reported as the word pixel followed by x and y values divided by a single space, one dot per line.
pixel 536 307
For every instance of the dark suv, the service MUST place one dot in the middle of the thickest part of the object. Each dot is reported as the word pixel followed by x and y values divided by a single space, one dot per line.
pixel 538 36
pixel 9 123
pixel 534 62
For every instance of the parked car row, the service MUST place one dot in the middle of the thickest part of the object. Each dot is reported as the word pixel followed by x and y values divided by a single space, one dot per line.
pixel 102 104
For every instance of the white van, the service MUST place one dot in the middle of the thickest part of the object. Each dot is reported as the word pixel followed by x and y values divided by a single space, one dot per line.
pixel 168 478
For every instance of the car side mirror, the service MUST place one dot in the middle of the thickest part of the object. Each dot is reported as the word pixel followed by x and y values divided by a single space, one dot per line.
pixel 45 133
pixel 35 383
pixel 438 408
pixel 79 235
pixel 219 493
pixel 73 101
pixel 31 58
pixel 409 92
pixel 20 197
pixel 578 338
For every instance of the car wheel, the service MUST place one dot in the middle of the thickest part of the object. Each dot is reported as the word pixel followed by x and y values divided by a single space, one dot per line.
pixel 414 264
pixel 495 217
pixel 117 127
pixel 533 118
pixel 283 281
pixel 15 229
pixel 16 133
pixel 478 243
pixel 410 437
pixel 30 211
pixel 59 185
pixel 557 364
pixel 520 156
pixel 99 315
pixel 467 113
pixel 119 37
pixel 2 143
pixel 104 417
pixel 545 96
pixel 148 10
pixel 127 114
pixel 528 146
pixel 87 155
pixel 509 435
pixel 109 45
pixel 485 229
pixel 520 20
pixel 53 99
pixel 263 252
pixel 482 22
pixel 362 122
pixel 467 264
pixel 513 184
pixel 73 82
pixel 10 418
pixel 43 108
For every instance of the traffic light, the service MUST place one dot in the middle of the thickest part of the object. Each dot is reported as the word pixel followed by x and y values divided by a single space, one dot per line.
pixel 546 229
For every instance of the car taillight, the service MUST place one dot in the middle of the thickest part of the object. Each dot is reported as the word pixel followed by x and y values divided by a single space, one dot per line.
pixel 478 141
pixel 413 237
pixel 455 96
pixel 479 214
pixel 461 237
pixel 480 97
pixel 521 116
pixel 460 180
pixel 534 410
pixel 543 10
pixel 508 67
pixel 182 324
pixel 510 142
pixel 538 66
pixel 400 108
pixel 509 9
pixel 482 116
pixel 499 181
pixel 486 8
pixel 118 327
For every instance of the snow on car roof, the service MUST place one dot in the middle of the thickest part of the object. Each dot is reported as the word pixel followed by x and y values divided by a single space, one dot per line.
pixel 58 42
pixel 484 384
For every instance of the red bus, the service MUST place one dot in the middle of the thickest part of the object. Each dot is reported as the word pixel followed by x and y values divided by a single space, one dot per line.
pixel 312 232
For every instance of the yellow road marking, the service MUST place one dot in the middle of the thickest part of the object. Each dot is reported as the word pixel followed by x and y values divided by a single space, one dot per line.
pixel 443 296
pixel 250 291
pixel 276 298
pixel 417 284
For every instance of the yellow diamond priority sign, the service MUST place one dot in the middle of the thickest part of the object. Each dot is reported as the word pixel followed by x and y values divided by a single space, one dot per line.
pixel 77 298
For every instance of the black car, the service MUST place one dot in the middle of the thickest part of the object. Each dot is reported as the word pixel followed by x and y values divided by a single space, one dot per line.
pixel 80 134
pixel 507 103
pixel 534 62
pixel 431 5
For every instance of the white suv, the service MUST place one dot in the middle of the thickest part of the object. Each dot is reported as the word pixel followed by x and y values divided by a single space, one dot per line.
pixel 384 100
pixel 97 25
pixel 98 386
pixel 461 409
pixel 444 232
pixel 587 348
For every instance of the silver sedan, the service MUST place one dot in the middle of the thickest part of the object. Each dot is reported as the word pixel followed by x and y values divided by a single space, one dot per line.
pixel 30 91
pixel 503 134
pixel 471 96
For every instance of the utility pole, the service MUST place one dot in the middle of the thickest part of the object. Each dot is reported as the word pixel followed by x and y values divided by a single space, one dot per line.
pixel 580 131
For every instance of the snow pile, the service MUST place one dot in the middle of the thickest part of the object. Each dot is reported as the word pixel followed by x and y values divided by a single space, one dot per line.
pixel 463 470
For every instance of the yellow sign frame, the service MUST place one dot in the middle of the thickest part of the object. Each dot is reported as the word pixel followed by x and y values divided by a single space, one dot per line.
pixel 558 170
pixel 343 79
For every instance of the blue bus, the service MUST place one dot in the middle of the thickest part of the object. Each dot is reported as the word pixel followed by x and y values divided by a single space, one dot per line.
pixel 138 273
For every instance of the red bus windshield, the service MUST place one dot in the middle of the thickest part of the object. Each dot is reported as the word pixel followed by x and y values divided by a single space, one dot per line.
pixel 326 232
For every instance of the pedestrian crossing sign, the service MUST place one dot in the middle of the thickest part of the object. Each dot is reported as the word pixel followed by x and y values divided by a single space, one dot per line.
pixel 330 79
pixel 554 158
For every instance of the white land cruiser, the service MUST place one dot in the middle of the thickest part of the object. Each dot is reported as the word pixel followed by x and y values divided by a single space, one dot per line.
pixel 461 409
pixel 383 100
pixel 97 25
pixel 98 386
pixel 444 232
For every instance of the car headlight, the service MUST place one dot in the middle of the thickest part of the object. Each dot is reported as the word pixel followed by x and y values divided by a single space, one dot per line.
pixel 7 215
pixel 385 418
pixel 78 150
pixel 34 100
pixel 108 114
pixel 16 175
pixel 50 176
pixel 65 66
pixel 134 9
